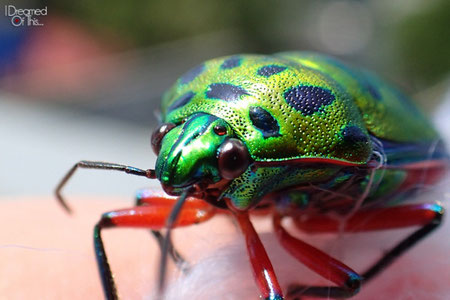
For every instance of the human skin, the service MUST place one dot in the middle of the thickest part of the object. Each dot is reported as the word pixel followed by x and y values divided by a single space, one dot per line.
pixel 48 254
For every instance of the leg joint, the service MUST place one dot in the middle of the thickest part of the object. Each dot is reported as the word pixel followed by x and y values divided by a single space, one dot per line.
pixel 105 222
pixel 439 214
pixel 353 284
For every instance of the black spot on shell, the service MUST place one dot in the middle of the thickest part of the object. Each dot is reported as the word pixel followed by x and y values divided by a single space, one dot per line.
pixel 353 134
pixel 225 91
pixel 268 71
pixel 264 122
pixel 308 99
pixel 232 62
pixel 181 101
pixel 192 74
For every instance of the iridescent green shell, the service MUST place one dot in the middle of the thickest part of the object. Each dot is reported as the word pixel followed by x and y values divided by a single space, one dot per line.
pixel 387 112
pixel 297 105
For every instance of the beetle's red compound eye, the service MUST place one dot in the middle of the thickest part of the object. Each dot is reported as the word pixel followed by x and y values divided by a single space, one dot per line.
pixel 220 130
pixel 233 159
pixel 159 134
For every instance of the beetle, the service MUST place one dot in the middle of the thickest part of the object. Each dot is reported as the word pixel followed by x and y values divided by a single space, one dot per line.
pixel 295 135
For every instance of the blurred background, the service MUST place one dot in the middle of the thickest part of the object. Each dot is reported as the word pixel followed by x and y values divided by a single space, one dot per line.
pixel 85 83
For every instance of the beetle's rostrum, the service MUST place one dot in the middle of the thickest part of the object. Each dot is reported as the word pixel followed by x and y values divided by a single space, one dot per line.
pixel 295 135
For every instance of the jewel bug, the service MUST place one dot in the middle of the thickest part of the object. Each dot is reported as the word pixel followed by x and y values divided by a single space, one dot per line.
pixel 292 135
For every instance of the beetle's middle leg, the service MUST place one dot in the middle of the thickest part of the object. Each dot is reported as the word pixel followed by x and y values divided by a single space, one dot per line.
pixel 262 267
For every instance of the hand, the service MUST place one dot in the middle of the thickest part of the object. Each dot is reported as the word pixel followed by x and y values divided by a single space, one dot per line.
pixel 47 254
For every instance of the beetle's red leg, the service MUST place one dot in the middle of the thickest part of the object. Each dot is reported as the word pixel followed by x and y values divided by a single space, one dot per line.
pixel 374 219
pixel 347 280
pixel 262 267
pixel 159 198
pixel 428 216
pixel 152 217
pixel 150 197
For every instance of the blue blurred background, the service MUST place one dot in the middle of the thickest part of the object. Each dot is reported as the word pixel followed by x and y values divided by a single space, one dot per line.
pixel 87 83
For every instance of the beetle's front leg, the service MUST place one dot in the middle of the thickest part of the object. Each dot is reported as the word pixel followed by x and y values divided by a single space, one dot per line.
pixel 150 217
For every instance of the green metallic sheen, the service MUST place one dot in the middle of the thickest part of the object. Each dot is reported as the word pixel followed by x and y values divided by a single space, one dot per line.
pixel 189 151
pixel 393 117
pixel 391 180
pixel 360 101
pixel 317 135
pixel 252 186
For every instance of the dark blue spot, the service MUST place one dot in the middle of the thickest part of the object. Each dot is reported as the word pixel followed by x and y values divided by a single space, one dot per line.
pixel 181 101
pixel 231 63
pixel 191 74
pixel 225 91
pixel 268 71
pixel 308 99
pixel 373 91
pixel 264 122
pixel 353 134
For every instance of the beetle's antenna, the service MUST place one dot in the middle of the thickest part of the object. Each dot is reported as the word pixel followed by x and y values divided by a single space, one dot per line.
pixel 167 241
pixel 98 165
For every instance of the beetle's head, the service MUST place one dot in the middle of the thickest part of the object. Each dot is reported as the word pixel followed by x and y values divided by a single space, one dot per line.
pixel 202 152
